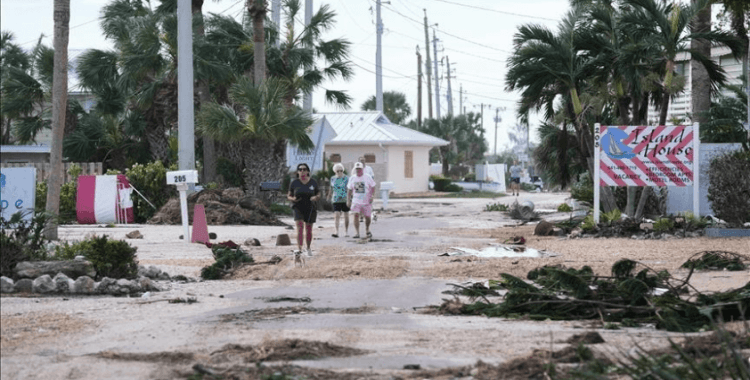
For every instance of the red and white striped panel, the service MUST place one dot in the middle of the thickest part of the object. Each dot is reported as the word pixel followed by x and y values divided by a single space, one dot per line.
pixel 104 199
pixel 663 156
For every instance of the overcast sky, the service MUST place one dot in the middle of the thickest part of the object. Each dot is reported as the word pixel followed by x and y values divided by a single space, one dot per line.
pixel 476 36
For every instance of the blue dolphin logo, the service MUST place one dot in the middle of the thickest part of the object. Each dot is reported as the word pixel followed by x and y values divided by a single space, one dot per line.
pixel 613 146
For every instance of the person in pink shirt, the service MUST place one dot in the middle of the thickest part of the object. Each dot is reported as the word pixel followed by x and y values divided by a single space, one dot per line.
pixel 361 189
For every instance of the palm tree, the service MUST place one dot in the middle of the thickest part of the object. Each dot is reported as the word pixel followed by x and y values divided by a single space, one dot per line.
pixel 458 131
pixel 666 26
pixel 395 106
pixel 257 117
pixel 257 10
pixel 59 106
pixel 12 58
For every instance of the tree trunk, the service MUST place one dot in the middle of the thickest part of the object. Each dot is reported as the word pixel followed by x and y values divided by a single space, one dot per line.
pixel 642 203
pixel 263 160
pixel 59 108
pixel 700 84
pixel 257 10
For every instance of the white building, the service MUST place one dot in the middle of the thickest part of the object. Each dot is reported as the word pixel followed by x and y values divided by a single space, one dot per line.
pixel 396 154
pixel 681 106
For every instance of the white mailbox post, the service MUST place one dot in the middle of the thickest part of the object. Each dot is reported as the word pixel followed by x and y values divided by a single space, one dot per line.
pixel 385 187
pixel 182 180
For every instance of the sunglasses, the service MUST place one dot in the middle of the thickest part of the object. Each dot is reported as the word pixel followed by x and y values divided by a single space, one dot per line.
pixel 303 170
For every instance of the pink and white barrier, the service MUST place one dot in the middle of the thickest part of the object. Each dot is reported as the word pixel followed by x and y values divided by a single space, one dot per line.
pixel 104 199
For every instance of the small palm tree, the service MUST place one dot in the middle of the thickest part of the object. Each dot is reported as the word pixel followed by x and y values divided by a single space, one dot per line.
pixel 395 107
pixel 258 118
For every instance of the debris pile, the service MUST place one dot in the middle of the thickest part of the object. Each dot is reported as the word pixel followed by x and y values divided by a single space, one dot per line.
pixel 228 206
pixel 716 260
pixel 634 294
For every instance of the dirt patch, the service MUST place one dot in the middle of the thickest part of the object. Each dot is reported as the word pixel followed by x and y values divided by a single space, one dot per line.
pixel 277 350
pixel 19 331
pixel 591 337
pixel 156 357
pixel 320 267
pixel 178 262
pixel 256 315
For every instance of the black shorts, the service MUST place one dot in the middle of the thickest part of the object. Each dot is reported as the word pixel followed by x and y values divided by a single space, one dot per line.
pixel 340 206
pixel 307 214
pixel 515 180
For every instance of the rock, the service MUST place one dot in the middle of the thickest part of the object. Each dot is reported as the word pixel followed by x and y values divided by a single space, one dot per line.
pixel 104 285
pixel 544 228
pixel 6 285
pixel 575 233
pixel 146 284
pixel 43 284
pixel 283 240
pixel 24 285
pixel 84 285
pixel 212 235
pixel 63 283
pixel 125 286
pixel 557 231
pixel 150 272
pixel 134 235
pixel 647 227
pixel 80 258
pixel 693 234
pixel 252 242
pixel 164 276
pixel 70 268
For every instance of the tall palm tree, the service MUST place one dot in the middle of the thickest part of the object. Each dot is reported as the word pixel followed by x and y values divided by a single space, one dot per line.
pixel 666 26
pixel 59 107
pixel 259 118
pixel 395 106
pixel 257 10
pixel 12 57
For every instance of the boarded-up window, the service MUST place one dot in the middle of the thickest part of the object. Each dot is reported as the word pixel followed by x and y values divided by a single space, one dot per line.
pixel 335 157
pixel 408 164
pixel 369 158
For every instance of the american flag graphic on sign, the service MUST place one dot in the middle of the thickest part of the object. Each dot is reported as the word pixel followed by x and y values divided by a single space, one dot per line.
pixel 646 155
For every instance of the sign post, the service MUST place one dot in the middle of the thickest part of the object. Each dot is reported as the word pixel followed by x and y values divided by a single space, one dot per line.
pixel 182 180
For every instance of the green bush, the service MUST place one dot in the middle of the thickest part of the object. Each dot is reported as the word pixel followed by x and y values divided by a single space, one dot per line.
pixel 110 258
pixel 226 258
pixel 664 225
pixel 453 188
pixel 496 207
pixel 279 209
pixel 471 177
pixel 21 240
pixel 729 187
pixel 151 181
pixel 563 207
pixel 441 183
pixel 68 193
pixel 583 190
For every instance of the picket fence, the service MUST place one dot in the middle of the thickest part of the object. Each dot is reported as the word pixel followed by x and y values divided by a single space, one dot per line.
pixel 43 169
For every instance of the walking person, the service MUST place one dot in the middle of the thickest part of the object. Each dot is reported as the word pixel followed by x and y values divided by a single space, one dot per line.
pixel 515 178
pixel 338 195
pixel 304 192
pixel 361 190
pixel 368 169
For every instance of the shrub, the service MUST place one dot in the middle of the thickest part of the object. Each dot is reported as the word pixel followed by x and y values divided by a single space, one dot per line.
pixel 21 240
pixel 227 257
pixel 110 258
pixel 588 223
pixel 280 209
pixel 68 193
pixel 729 187
pixel 583 190
pixel 453 188
pixel 441 183
pixel 471 177
pixel 664 225
pixel 151 181
pixel 563 207
pixel 496 207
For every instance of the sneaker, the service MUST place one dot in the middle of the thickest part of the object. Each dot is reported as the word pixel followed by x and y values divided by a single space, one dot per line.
pixel 309 252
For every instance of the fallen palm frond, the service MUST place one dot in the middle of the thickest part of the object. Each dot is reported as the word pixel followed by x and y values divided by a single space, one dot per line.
pixel 716 260
pixel 634 293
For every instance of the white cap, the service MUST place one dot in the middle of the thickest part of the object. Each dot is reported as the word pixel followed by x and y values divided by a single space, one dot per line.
pixel 358 165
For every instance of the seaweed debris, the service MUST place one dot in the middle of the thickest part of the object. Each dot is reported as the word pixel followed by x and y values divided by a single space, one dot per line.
pixel 714 260
pixel 634 294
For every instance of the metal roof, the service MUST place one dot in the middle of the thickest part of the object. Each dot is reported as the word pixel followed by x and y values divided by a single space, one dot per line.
pixel 372 127
pixel 24 149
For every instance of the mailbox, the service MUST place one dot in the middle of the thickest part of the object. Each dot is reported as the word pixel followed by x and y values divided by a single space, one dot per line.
pixel 182 176
pixel 385 187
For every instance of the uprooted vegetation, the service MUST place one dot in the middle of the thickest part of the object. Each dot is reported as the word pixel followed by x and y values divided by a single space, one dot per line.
pixel 716 260
pixel 633 295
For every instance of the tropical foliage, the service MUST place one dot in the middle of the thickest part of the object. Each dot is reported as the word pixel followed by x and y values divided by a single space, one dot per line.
pixel 464 134
pixel 395 106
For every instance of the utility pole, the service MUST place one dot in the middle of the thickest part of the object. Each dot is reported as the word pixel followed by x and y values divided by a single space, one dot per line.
pixel 497 120
pixel 461 99
pixel 378 60
pixel 185 90
pixel 437 83
pixel 427 65
pixel 450 92
pixel 307 99
pixel 419 89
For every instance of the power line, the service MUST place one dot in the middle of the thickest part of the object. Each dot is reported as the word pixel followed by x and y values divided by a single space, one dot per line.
pixel 496 11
